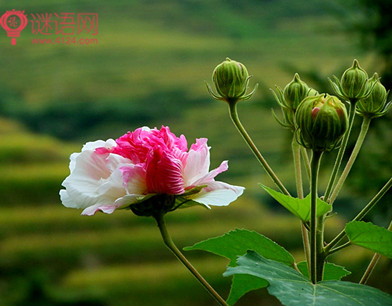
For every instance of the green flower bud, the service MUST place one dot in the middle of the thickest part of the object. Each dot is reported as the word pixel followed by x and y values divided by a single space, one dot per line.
pixel 231 81
pixel 321 122
pixel 353 81
pixel 290 98
pixel 375 105
pixel 312 92
pixel 353 84
pixel 295 92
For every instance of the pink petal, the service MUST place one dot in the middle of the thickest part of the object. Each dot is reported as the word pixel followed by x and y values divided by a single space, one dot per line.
pixel 164 174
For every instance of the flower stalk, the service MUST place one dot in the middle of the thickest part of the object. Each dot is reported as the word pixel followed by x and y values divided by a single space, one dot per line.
pixel 172 247
pixel 300 193
pixel 361 137
pixel 340 155
pixel 316 224
pixel 306 160
pixel 236 121
pixel 360 216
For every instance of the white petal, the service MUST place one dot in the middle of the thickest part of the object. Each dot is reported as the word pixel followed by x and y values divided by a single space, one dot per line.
pixel 92 182
pixel 209 177
pixel 92 145
pixel 66 200
pixel 134 178
pixel 109 208
pixel 218 194
pixel 197 162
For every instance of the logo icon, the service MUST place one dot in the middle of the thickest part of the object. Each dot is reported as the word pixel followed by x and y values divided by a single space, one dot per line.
pixel 13 22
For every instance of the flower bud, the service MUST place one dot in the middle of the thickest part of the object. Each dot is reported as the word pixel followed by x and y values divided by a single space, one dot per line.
pixel 295 92
pixel 354 81
pixel 374 105
pixel 321 122
pixel 290 98
pixel 231 80
pixel 353 84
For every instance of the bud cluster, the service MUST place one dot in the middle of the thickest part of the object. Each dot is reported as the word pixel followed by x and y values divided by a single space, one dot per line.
pixel 318 120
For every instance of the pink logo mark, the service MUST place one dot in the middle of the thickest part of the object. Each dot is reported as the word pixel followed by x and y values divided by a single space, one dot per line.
pixel 44 24
pixel 88 22
pixel 13 22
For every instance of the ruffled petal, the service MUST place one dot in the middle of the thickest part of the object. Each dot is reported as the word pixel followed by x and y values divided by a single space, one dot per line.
pixel 164 174
pixel 91 181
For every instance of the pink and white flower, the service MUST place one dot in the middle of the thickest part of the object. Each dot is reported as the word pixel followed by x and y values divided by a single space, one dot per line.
pixel 109 175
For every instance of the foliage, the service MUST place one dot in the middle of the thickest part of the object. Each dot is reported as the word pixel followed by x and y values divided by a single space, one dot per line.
pixel 292 288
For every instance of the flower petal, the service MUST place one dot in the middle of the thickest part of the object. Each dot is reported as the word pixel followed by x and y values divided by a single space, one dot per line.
pixel 164 173
pixel 91 181
pixel 209 177
pixel 218 194
pixel 197 163
pixel 110 208
pixel 134 178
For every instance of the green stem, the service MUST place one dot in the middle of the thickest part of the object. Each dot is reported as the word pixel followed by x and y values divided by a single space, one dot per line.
pixel 314 228
pixel 339 157
pixel 170 244
pixel 300 193
pixel 361 137
pixel 372 264
pixel 305 157
pixel 297 168
pixel 234 117
pixel 361 214
pixel 340 247
pixel 320 248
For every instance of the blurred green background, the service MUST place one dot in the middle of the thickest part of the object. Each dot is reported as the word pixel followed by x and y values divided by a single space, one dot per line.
pixel 148 68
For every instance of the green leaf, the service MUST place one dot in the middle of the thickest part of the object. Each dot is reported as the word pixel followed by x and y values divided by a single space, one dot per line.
pixel 236 243
pixel 242 284
pixel 292 288
pixel 331 271
pixel 370 236
pixel 298 207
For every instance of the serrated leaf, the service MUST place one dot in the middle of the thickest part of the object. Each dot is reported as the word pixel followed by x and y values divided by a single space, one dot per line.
pixel 292 288
pixel 331 271
pixel 370 236
pixel 236 243
pixel 298 207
